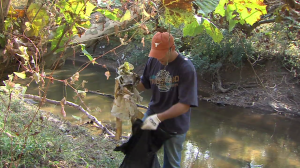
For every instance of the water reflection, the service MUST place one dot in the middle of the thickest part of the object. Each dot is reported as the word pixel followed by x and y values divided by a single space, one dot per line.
pixel 233 137
pixel 219 137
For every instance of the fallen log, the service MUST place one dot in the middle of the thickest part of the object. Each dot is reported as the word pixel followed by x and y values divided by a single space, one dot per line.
pixel 76 106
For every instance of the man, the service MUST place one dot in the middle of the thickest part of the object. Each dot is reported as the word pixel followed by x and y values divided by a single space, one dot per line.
pixel 173 81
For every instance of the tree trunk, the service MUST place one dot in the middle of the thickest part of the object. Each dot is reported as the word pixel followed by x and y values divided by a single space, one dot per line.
pixel 4 7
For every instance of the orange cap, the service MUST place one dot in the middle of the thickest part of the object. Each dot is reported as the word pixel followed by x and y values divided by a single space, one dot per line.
pixel 161 43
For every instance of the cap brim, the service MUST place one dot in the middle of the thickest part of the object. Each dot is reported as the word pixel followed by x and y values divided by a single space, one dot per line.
pixel 158 53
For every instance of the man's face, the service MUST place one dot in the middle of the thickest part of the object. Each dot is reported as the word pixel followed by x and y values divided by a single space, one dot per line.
pixel 164 60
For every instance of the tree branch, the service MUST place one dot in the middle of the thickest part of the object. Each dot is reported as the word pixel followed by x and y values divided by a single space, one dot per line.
pixel 4 5
pixel 76 106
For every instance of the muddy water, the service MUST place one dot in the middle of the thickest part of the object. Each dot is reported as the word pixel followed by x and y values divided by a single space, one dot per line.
pixel 219 137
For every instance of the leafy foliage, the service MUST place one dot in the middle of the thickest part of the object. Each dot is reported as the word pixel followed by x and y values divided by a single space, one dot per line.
pixel 209 56
pixel 240 11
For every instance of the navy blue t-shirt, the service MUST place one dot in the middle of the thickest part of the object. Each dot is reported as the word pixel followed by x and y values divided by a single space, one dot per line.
pixel 170 84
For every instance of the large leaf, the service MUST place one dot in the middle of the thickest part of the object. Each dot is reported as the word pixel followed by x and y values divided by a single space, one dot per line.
pixel 177 17
pixel 198 25
pixel 21 75
pixel 206 6
pixel 58 33
pixel 38 17
pixel 241 11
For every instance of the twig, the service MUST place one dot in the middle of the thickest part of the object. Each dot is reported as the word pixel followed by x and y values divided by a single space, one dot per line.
pixel 72 105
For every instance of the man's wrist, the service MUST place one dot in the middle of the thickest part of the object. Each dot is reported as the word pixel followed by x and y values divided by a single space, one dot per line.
pixel 160 116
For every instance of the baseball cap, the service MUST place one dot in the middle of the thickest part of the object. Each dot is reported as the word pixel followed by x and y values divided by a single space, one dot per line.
pixel 161 43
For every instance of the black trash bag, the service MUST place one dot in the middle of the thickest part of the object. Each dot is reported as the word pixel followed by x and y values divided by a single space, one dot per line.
pixel 140 150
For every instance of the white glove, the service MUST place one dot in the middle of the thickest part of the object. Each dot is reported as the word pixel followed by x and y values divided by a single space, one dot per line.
pixel 151 123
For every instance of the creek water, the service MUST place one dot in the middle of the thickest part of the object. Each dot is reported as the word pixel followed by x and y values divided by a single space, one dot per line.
pixel 219 137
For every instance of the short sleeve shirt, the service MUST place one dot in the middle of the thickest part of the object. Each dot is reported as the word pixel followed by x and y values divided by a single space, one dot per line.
pixel 170 84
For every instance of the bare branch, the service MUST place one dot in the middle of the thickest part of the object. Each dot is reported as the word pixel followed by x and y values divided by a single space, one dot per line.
pixel 76 106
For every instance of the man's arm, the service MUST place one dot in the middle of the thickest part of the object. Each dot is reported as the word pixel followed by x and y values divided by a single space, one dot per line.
pixel 152 122
pixel 174 111
pixel 140 87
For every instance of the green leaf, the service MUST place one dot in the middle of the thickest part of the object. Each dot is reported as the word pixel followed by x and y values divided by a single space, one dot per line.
pixel 206 6
pixel 198 25
pixel 80 91
pixel 86 53
pixel 58 33
pixel 126 16
pixel 113 15
pixel 145 13
pixel 220 9
pixel 38 17
pixel 240 11
pixel 24 54
pixel 76 117
pixel 10 77
pixel 193 29
pixel 177 17
pixel 21 75
pixel 89 8
pixel 37 77
pixel 232 24
pixel 213 31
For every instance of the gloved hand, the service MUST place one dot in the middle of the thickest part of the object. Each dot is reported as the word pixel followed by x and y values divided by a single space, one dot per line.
pixel 151 123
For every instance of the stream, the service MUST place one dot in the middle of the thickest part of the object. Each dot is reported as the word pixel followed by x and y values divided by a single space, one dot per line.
pixel 219 136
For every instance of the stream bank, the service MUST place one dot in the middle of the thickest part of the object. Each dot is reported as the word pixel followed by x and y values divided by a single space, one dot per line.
pixel 269 89
pixel 50 141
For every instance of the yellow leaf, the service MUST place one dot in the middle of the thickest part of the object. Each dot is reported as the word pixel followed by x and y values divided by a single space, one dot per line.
pixel 21 75
pixel 63 112
pixel 127 16
pixel 107 74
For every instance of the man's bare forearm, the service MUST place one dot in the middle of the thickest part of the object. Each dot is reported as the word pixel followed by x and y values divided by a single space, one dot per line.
pixel 176 110
pixel 140 87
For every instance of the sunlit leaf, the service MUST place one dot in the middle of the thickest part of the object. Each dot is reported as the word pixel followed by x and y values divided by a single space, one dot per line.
pixel 24 54
pixel 75 77
pixel 38 18
pixel 127 16
pixel 81 93
pixel 89 8
pixel 200 24
pixel 21 75
pixel 37 77
pixel 86 53
pixel 107 74
pixel 241 11
pixel 76 117
pixel 145 13
pixel 63 101
pixel 113 15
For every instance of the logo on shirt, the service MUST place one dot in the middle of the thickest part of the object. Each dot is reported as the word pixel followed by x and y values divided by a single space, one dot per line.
pixel 164 81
